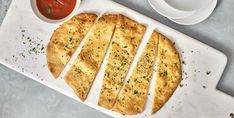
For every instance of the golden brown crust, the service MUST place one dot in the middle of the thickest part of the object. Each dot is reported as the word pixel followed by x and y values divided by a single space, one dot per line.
pixel 65 41
pixel 82 73
pixel 134 93
pixel 168 75
pixel 126 39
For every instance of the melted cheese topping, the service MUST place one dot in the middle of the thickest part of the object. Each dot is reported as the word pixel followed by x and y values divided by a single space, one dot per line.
pixel 82 73
pixel 126 40
pixel 65 41
pixel 134 94
pixel 168 74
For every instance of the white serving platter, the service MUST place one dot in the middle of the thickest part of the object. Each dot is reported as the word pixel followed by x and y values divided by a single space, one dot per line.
pixel 203 66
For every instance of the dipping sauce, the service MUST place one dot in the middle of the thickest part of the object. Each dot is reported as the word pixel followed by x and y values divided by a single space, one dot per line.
pixel 56 9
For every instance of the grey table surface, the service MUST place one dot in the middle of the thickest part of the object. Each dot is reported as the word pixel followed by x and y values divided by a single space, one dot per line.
pixel 21 97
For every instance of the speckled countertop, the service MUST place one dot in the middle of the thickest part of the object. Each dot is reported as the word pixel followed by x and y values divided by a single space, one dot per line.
pixel 21 97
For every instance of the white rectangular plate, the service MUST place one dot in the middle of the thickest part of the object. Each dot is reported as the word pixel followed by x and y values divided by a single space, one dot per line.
pixel 198 98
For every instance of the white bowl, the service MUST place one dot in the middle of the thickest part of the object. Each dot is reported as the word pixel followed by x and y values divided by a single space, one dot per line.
pixel 188 5
pixel 166 10
pixel 198 16
pixel 42 17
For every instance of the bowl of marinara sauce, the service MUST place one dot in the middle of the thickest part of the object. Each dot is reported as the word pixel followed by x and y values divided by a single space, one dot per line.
pixel 54 11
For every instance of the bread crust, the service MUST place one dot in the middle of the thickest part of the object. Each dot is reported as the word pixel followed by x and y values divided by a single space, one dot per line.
pixel 126 40
pixel 134 94
pixel 82 73
pixel 65 41
pixel 168 74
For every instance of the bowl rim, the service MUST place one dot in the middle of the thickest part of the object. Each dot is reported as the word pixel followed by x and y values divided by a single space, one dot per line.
pixel 169 12
pixel 48 20
pixel 191 10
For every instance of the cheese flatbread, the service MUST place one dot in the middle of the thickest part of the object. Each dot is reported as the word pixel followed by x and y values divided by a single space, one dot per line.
pixel 65 41
pixel 168 75
pixel 82 73
pixel 126 39
pixel 134 93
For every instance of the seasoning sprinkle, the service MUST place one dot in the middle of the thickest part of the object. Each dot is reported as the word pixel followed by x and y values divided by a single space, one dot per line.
pixel 231 115
pixel 183 62
pixel 181 85
pixel 208 72
pixel 125 46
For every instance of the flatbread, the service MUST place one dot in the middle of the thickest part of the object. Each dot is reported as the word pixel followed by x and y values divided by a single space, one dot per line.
pixel 133 97
pixel 82 73
pixel 126 39
pixel 65 41
pixel 168 74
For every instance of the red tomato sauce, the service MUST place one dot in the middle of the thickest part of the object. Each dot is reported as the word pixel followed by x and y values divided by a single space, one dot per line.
pixel 56 9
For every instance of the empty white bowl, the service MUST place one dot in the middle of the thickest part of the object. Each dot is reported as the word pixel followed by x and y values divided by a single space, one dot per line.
pixel 185 12
pixel 188 5
pixel 166 10
pixel 198 16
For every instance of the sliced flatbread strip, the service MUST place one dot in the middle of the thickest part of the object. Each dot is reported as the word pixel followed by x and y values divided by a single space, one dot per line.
pixel 82 73
pixel 168 75
pixel 65 41
pixel 134 93
pixel 126 40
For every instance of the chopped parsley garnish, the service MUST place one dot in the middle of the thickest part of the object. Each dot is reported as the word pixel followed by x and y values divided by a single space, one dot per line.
pixel 181 85
pixel 135 91
pixel 164 74
pixel 231 115
pixel 183 62
pixel 208 72
pixel 48 10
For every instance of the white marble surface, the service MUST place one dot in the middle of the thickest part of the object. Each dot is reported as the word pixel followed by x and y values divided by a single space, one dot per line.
pixel 22 97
